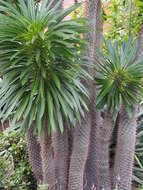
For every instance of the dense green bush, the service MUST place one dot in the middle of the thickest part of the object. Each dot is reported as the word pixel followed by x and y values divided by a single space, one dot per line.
pixel 15 171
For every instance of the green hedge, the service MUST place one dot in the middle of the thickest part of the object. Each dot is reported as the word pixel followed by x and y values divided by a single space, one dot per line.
pixel 15 171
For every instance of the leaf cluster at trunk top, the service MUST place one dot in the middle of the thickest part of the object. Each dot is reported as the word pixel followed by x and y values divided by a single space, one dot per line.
pixel 41 65
pixel 119 76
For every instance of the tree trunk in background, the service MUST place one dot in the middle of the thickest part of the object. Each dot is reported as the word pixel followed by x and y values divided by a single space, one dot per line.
pixel 33 148
pixel 61 158
pixel 79 154
pixel 47 159
pixel 125 150
pixel 94 14
pixel 140 43
pixel 81 137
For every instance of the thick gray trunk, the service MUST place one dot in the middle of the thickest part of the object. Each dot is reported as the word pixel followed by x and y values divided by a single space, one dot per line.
pixel 99 172
pixel 70 141
pixel 79 154
pixel 34 153
pixel 94 38
pixel 125 150
pixel 92 172
pixel 81 137
pixel 61 158
pixel 105 131
pixel 47 160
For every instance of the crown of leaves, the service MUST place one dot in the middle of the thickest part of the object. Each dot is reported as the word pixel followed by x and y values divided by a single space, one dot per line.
pixel 41 65
pixel 119 76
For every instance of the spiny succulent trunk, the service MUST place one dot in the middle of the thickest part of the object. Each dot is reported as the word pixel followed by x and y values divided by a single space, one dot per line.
pixel 91 171
pixel 94 38
pixel 81 135
pixel 125 150
pixel 70 141
pixel 113 147
pixel 47 160
pixel 79 154
pixel 61 158
pixel 105 131
pixel 34 153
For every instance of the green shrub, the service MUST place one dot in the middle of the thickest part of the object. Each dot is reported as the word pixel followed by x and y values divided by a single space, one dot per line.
pixel 15 171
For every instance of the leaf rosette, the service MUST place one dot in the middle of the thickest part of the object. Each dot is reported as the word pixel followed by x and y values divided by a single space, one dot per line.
pixel 41 65
pixel 119 76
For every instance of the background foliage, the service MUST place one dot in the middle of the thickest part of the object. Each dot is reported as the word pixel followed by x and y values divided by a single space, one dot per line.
pixel 15 171
pixel 121 18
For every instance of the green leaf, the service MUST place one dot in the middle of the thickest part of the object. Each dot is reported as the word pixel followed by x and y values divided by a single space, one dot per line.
pixel 103 93
pixel 67 11
pixel 57 81
pixel 42 88
pixel 20 109
pixel 60 121
pixel 34 89
pixel 42 106
pixel 14 103
pixel 51 111
pixel 38 56
pixel 38 121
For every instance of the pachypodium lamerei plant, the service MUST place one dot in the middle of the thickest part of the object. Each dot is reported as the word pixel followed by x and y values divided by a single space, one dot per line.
pixel 119 78
pixel 41 64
